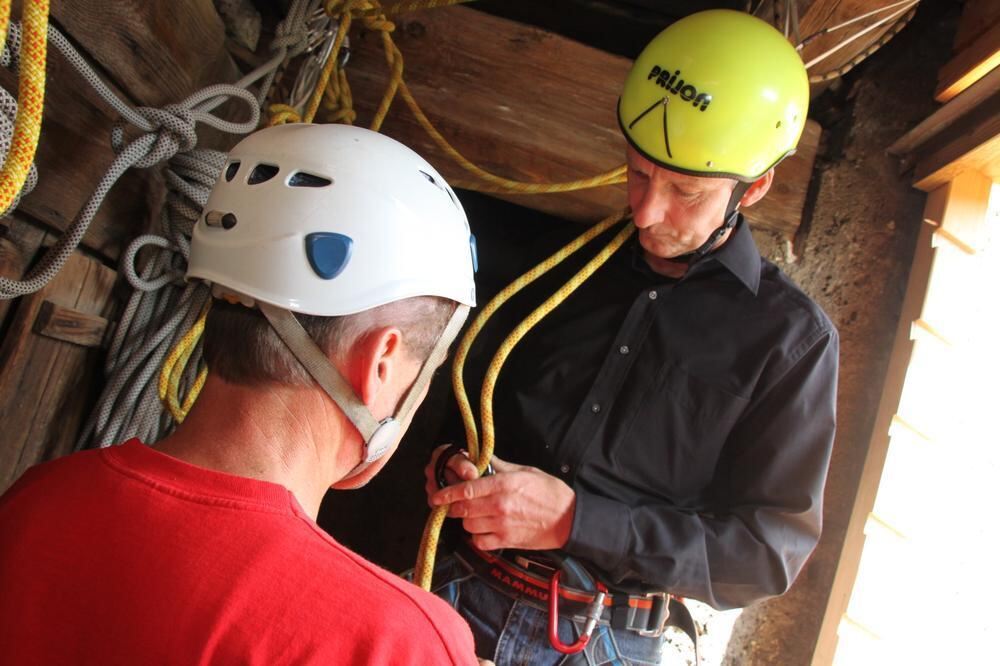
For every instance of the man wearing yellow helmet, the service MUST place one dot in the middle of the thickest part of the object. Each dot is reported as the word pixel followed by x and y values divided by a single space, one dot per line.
pixel 674 417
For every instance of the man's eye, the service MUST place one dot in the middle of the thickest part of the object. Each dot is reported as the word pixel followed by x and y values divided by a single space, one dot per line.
pixel 638 174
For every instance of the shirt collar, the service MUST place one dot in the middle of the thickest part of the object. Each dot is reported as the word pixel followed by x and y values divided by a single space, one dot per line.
pixel 739 255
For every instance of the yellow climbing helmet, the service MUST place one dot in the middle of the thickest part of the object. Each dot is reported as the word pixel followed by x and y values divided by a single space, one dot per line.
pixel 718 93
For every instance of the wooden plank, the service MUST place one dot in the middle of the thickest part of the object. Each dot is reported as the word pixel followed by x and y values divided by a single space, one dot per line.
pixel 977 17
pixel 525 104
pixel 19 243
pixel 979 93
pixel 781 209
pixel 518 101
pixel 975 148
pixel 971 64
pixel 61 323
pixel 49 384
pixel 157 52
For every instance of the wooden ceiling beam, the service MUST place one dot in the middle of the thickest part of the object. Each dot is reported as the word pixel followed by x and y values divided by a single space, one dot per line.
pixel 969 65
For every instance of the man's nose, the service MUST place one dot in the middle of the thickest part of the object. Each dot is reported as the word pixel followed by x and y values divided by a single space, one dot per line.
pixel 651 208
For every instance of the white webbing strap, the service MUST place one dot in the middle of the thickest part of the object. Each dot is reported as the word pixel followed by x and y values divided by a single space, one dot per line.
pixel 316 363
pixel 433 361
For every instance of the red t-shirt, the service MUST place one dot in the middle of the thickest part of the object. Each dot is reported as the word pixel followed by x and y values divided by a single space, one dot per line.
pixel 129 556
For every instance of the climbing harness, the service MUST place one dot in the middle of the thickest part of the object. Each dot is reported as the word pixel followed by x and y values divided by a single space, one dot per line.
pixel 561 587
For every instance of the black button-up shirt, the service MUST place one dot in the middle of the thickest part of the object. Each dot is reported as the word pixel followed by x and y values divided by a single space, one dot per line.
pixel 694 418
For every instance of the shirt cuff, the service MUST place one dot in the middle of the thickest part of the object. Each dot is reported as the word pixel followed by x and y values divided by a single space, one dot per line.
pixel 600 532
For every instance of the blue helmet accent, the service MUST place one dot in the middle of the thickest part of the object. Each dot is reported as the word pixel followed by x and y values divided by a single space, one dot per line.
pixel 328 253
pixel 475 253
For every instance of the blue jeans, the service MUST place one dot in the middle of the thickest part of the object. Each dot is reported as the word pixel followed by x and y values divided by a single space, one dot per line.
pixel 513 633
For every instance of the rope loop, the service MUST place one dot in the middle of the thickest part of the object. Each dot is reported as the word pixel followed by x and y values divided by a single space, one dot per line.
pixel 151 283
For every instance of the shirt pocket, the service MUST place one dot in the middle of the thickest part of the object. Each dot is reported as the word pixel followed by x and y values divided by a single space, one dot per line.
pixel 673 440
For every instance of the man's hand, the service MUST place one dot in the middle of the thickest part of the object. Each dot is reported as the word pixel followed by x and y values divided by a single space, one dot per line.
pixel 459 469
pixel 518 507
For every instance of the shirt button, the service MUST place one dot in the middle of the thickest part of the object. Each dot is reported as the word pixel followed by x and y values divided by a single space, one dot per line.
pixel 596 407
pixel 652 295
pixel 564 468
pixel 623 349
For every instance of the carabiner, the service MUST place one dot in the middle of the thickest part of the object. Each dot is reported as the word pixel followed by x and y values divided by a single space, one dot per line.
pixel 593 613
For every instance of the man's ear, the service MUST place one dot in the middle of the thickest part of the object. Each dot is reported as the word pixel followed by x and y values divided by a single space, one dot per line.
pixel 375 358
pixel 758 189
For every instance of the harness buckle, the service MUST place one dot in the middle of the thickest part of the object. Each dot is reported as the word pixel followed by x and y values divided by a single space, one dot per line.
pixel 660 605
pixel 594 610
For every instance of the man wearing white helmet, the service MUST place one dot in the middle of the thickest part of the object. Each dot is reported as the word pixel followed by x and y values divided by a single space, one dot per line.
pixel 344 265
pixel 673 419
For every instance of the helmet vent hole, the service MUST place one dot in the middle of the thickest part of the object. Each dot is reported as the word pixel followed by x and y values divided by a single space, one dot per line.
pixel 431 179
pixel 303 179
pixel 441 186
pixel 231 171
pixel 262 173
pixel 778 125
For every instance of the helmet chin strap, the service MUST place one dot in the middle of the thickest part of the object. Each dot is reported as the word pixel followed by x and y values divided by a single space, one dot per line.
pixel 730 219
pixel 378 436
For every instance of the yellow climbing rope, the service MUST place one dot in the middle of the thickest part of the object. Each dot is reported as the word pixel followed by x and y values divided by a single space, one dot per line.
pixel 30 96
pixel 482 454
pixel 333 92
pixel 173 369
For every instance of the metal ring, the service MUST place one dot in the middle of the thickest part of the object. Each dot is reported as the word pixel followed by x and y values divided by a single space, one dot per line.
pixel 442 463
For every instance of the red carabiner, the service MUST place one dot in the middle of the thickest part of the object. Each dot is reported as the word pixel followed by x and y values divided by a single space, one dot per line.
pixel 593 612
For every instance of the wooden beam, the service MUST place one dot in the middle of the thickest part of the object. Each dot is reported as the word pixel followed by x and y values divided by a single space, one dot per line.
pixel 967 102
pixel 971 64
pixel 157 52
pixel 977 17
pixel 976 148
pixel 48 384
pixel 19 243
pixel 70 325
pixel 528 105
pixel 781 209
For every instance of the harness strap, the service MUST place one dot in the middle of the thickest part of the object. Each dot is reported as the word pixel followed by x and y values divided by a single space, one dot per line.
pixel 645 614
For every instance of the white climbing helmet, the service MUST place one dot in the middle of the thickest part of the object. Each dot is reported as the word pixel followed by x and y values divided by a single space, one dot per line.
pixel 331 220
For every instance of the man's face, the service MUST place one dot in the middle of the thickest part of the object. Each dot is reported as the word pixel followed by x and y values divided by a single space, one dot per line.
pixel 674 213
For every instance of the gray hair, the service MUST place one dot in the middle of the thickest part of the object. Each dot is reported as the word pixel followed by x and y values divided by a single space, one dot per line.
pixel 241 347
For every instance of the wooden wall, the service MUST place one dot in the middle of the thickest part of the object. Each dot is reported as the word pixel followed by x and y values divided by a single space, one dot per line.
pixel 151 53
